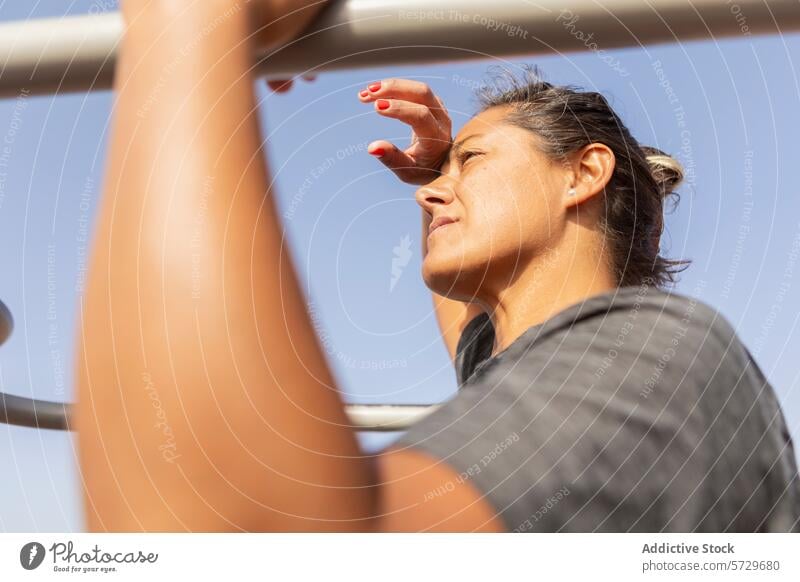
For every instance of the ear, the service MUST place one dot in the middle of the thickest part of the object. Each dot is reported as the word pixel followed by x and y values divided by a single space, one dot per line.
pixel 591 169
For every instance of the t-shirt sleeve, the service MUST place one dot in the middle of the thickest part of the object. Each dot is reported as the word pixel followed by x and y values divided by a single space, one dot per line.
pixel 635 419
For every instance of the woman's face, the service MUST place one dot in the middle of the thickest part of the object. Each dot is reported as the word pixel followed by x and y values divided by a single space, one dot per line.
pixel 506 198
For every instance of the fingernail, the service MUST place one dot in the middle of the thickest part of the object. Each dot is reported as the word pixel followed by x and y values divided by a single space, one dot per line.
pixel 374 87
pixel 363 93
pixel 383 104
pixel 378 152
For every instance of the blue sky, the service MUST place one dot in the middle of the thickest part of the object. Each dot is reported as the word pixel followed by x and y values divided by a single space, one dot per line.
pixel 729 110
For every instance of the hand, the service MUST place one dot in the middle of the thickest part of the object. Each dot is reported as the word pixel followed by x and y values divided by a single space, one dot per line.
pixel 414 103
pixel 274 23
pixel 283 85
pixel 278 22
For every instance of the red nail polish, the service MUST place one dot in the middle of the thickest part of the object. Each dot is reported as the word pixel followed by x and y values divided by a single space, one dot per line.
pixel 382 104
pixel 375 86
pixel 378 152
pixel 363 93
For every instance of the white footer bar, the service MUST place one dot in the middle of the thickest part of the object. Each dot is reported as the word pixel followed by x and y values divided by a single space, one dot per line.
pixel 400 557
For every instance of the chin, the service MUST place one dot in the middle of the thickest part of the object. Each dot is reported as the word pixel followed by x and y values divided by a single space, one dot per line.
pixel 450 278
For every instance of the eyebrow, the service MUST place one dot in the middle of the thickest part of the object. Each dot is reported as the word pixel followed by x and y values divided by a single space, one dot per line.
pixel 459 145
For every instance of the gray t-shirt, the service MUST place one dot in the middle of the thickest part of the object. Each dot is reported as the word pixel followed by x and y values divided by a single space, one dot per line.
pixel 635 410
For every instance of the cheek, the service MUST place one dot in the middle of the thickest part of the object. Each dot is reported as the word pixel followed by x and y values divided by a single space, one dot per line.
pixel 512 218
pixel 507 217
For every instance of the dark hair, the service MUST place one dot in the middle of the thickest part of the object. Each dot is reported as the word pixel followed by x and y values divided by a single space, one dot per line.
pixel 566 119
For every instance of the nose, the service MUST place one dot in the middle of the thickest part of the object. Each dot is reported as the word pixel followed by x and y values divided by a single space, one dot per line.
pixel 436 193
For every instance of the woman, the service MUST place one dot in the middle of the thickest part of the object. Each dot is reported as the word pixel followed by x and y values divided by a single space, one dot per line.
pixel 589 398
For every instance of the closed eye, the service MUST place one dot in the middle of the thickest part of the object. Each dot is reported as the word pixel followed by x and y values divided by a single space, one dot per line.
pixel 466 155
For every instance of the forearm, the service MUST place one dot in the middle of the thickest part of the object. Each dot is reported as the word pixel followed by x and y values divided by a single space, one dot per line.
pixel 204 399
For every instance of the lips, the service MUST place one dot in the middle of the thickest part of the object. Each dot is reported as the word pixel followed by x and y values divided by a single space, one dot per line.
pixel 440 221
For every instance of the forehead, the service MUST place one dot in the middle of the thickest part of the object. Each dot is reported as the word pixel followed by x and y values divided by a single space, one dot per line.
pixel 491 121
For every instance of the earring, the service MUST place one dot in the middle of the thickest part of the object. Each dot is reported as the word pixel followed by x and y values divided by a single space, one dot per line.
pixel 571 192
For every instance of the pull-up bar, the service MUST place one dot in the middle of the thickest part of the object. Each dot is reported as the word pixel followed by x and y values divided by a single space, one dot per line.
pixel 21 411
pixel 78 53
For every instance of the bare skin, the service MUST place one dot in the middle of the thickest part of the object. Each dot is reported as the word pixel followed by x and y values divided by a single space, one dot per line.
pixel 205 402
pixel 521 249
pixel 414 103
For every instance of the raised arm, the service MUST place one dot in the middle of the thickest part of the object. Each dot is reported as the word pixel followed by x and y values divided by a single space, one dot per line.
pixel 415 103
pixel 204 399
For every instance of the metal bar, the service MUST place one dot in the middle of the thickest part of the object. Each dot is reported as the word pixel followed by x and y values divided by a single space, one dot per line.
pixel 387 417
pixel 33 413
pixel 21 411
pixel 6 323
pixel 78 53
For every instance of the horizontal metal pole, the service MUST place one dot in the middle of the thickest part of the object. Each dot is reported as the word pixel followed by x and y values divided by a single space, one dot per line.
pixel 32 413
pixel 78 53
pixel 21 411
pixel 387 417
pixel 6 323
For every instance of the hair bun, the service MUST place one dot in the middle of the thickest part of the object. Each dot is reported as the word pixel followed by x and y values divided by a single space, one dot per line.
pixel 666 170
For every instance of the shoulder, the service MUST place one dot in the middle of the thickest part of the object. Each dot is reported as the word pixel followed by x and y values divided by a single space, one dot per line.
pixel 655 340
pixel 646 321
pixel 660 307
pixel 689 329
pixel 685 309
pixel 614 392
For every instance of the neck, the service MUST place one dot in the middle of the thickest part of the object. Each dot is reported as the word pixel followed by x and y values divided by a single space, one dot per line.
pixel 549 284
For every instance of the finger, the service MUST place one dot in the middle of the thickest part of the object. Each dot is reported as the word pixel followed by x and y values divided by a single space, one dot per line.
pixel 309 77
pixel 419 117
pixel 400 163
pixel 406 90
pixel 280 85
